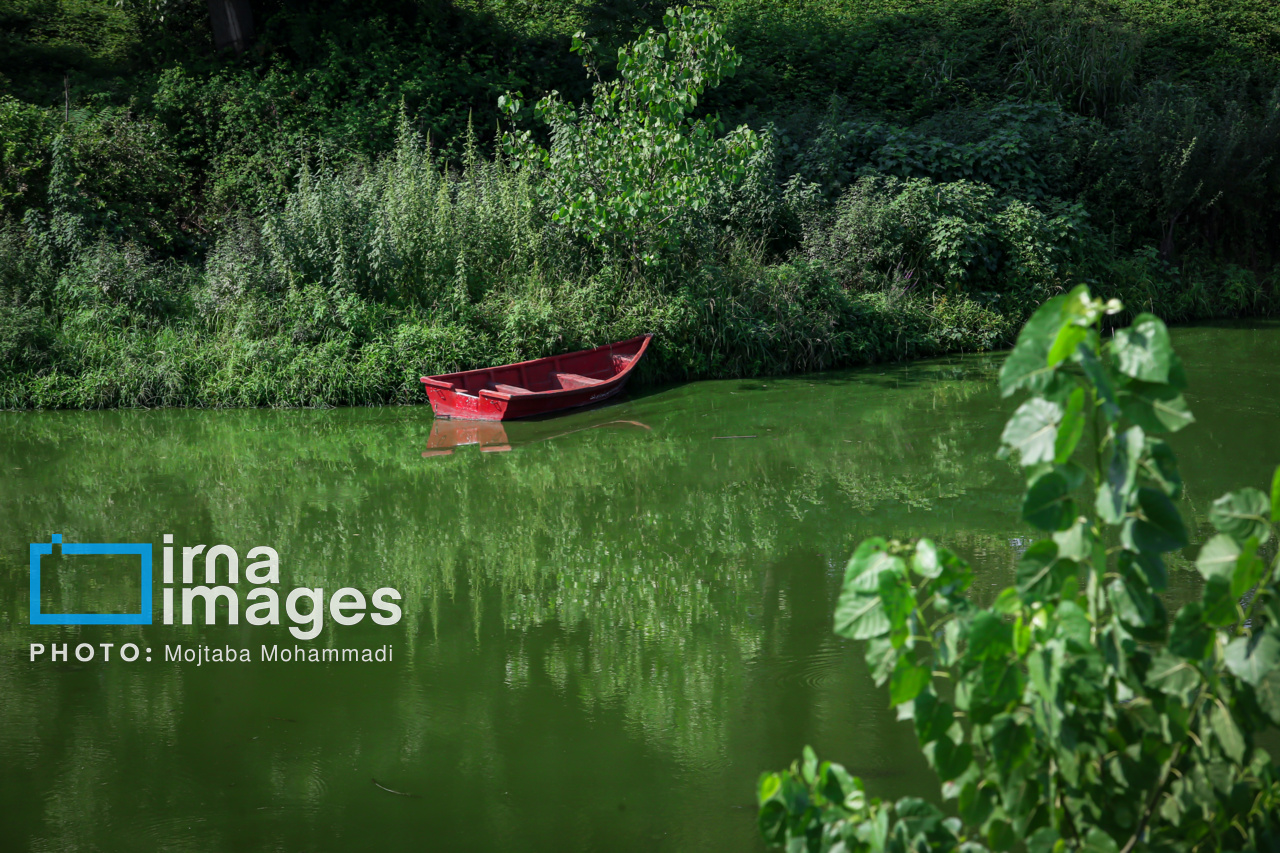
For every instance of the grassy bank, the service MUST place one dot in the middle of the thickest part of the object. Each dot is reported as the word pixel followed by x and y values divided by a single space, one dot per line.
pixel 316 222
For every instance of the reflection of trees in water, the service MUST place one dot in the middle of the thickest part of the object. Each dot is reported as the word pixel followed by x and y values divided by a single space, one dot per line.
pixel 640 573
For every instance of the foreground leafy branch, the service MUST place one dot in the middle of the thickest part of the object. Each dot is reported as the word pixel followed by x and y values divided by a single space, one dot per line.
pixel 1071 714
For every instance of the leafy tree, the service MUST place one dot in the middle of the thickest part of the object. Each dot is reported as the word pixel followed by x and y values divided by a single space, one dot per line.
pixel 1072 713
pixel 634 168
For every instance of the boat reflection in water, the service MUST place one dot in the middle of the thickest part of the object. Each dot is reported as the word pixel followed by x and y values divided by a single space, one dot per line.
pixel 446 435
pixel 491 436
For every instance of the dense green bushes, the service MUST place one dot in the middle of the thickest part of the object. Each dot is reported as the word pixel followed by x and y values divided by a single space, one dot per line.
pixel 317 223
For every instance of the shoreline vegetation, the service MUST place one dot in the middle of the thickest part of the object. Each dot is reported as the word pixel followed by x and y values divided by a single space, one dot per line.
pixel 375 192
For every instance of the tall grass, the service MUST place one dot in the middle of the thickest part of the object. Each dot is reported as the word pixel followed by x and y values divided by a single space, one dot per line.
pixel 406 230
pixel 1075 54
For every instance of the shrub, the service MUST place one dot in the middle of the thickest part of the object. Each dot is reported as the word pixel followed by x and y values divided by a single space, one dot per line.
pixel 635 169
pixel 24 151
pixel 1072 713
pixel 1198 170
pixel 115 174
pixel 886 232
pixel 124 283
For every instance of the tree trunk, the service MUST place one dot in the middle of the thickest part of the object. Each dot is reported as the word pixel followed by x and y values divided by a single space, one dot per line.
pixel 232 24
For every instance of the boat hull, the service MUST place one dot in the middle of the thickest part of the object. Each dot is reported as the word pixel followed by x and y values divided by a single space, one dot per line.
pixel 540 387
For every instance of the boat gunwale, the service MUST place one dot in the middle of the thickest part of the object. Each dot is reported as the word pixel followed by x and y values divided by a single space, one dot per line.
pixel 644 340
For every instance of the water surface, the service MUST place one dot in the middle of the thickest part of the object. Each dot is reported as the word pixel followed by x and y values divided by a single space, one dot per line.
pixel 612 621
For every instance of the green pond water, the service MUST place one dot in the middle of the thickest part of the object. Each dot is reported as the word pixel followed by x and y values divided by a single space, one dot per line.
pixel 612 621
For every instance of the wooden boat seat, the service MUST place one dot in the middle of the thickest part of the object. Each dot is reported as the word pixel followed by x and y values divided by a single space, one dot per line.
pixel 510 389
pixel 574 380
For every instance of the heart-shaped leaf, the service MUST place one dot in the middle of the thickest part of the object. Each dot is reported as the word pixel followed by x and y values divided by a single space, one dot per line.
pixel 1047 503
pixel 1218 556
pixel 1028 365
pixel 1242 514
pixel 1033 431
pixel 1144 351
pixel 1159 527
pixel 1155 408
pixel 1252 658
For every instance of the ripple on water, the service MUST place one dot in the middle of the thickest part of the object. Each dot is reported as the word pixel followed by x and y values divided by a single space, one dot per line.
pixel 815 669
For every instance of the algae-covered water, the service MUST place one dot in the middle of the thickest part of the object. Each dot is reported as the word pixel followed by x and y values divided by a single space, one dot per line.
pixel 609 623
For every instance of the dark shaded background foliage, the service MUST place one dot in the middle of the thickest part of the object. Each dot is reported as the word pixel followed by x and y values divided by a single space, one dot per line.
pixel 933 169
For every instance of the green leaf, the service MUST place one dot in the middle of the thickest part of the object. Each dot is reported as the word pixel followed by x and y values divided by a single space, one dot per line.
pixel 1021 636
pixel 1120 476
pixel 809 765
pixel 1103 388
pixel 1041 571
pixel 1242 514
pixel 1001 686
pixel 1000 835
pixel 1144 351
pixel 1171 674
pixel 1011 743
pixel 975 803
pixel 1275 496
pixel 1033 431
pixel 1136 606
pixel 1249 569
pixel 1068 338
pixel 1159 528
pixel 1226 731
pixel 1076 542
pixel 1267 692
pixel 989 637
pixel 1097 841
pixel 1028 365
pixel 1071 429
pixel 1252 658
pixel 918 817
pixel 1047 503
pixel 948 760
pixel 1073 624
pixel 1044 840
pixel 1145 568
pixel 907 681
pixel 1220 607
pixel 1155 408
pixel 1007 602
pixel 896 596
pixel 1218 556
pixel 1189 637
pixel 932 717
pixel 867 563
pixel 925 562
pixel 881 657
pixel 860 614
pixel 1161 466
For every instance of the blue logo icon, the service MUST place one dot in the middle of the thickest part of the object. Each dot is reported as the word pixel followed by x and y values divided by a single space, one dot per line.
pixel 142 549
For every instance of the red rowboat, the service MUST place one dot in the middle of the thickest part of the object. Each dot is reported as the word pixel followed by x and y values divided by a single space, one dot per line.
pixel 536 387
